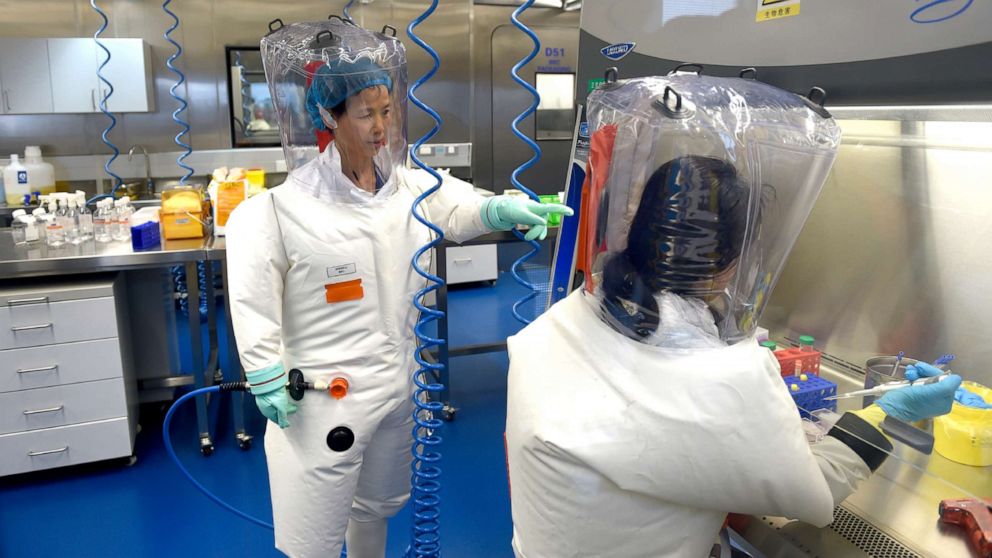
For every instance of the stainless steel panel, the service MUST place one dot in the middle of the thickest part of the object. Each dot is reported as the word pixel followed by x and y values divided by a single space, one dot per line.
pixel 153 334
pixel 65 445
pixel 461 91
pixel 497 47
pixel 33 409
pixel 895 254
pixel 51 365
pixel 206 27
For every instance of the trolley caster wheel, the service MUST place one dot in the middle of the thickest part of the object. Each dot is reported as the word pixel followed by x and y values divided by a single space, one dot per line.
pixel 206 447
pixel 244 442
pixel 130 460
pixel 448 413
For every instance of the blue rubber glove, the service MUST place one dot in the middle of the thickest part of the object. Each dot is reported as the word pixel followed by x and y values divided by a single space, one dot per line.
pixel 970 399
pixel 913 403
pixel 268 385
pixel 502 213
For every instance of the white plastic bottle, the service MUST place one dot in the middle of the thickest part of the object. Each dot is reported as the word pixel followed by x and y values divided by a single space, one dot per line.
pixel 41 175
pixel 18 228
pixel 54 235
pixel 16 180
pixel 85 217
pixel 102 222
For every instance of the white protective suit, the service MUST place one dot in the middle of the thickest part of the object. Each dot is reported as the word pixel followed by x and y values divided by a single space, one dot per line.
pixel 640 410
pixel 618 448
pixel 283 247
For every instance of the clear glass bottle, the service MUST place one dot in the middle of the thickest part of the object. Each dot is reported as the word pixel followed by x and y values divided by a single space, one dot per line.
pixel 71 221
pixel 54 235
pixel 39 214
pixel 101 222
pixel 85 217
pixel 805 346
pixel 122 222
pixel 32 231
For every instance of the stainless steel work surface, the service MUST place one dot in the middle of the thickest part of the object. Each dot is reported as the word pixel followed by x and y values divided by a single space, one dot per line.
pixel 30 260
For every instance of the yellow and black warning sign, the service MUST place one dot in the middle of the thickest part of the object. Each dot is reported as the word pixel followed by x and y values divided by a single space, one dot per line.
pixel 776 9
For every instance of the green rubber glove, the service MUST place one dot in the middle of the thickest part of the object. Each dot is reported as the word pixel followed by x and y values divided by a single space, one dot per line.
pixel 268 385
pixel 502 213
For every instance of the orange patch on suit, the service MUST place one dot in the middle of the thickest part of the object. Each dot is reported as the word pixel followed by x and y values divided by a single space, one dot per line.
pixel 342 292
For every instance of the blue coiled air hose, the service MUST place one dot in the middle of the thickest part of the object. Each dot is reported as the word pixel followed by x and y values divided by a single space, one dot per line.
pixel 425 537
pixel 183 125
pixel 347 10
pixel 179 271
pixel 103 106
pixel 535 245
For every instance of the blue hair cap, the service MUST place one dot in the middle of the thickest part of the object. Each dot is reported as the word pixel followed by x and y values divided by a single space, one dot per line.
pixel 338 80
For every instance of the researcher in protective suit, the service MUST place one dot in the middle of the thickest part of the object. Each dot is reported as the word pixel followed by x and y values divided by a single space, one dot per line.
pixel 661 413
pixel 321 281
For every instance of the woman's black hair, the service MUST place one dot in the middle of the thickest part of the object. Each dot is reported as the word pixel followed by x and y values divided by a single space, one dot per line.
pixel 688 229
pixel 690 224
pixel 339 109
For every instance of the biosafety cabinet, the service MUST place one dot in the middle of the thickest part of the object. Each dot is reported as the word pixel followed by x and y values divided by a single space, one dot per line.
pixel 894 256
pixel 67 389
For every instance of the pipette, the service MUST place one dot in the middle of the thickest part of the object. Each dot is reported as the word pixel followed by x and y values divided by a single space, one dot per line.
pixel 890 386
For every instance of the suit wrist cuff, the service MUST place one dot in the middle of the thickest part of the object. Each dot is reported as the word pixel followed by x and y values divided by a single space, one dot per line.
pixel 267 379
pixel 858 431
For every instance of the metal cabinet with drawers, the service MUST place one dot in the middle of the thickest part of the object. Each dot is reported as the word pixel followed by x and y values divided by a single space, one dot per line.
pixel 67 391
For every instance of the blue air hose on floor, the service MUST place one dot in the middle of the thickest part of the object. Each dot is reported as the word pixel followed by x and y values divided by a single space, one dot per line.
pixel 167 440
pixel 515 269
pixel 425 537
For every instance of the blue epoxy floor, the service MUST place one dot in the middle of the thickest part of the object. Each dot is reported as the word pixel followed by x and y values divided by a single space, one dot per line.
pixel 107 509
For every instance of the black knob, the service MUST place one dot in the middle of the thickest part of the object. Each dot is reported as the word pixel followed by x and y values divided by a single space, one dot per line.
pixel 340 439
pixel 297 384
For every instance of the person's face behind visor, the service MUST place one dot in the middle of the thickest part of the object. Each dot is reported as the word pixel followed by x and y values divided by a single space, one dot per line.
pixel 362 127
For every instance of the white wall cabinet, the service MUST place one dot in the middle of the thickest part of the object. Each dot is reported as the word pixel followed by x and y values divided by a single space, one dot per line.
pixel 76 87
pixel 130 72
pixel 72 70
pixel 39 76
pixel 25 84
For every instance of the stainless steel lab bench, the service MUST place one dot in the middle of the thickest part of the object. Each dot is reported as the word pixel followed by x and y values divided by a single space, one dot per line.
pixel 38 260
